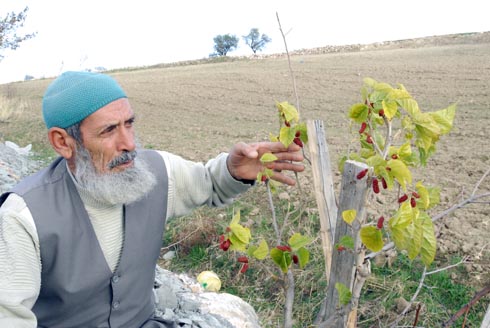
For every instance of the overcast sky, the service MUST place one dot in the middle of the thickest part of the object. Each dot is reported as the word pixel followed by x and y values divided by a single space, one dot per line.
pixel 74 35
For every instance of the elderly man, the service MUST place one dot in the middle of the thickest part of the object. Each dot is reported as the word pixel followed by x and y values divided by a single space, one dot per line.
pixel 79 240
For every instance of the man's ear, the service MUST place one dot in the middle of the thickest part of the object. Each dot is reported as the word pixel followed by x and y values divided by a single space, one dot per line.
pixel 61 142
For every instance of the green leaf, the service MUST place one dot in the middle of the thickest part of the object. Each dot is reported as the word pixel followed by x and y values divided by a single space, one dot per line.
pixel 342 161
pixel 303 257
pixel 349 216
pixel 288 111
pixel 347 241
pixel 282 259
pixel 372 238
pixel 262 251
pixel 298 241
pixel 303 132
pixel 344 293
pixel 400 172
pixel 359 112
pixel 429 241
pixel 268 158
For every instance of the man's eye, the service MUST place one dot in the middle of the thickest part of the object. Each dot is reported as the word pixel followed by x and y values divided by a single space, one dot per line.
pixel 109 129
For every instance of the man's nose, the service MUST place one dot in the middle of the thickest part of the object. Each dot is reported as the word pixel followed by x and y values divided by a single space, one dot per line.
pixel 126 140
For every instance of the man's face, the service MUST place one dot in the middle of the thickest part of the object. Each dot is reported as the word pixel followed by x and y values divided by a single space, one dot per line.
pixel 109 133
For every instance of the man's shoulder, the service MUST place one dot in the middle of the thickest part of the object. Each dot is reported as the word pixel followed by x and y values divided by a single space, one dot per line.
pixel 48 175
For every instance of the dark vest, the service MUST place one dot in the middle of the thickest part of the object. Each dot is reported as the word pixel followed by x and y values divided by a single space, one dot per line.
pixel 78 288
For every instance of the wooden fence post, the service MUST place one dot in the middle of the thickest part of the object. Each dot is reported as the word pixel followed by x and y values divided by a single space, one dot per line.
pixel 324 191
pixel 353 195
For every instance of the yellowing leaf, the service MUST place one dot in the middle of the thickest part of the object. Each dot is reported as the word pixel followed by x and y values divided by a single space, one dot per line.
pixel 372 238
pixel 400 172
pixel 429 242
pixel 434 196
pixel 359 112
pixel 415 237
pixel 236 218
pixel 286 135
pixel 298 241
pixel 349 216
pixel 390 108
pixel 273 137
pixel 268 158
pixel 344 293
pixel 444 118
pixel 400 236
pixel 403 217
pixel 241 233
pixel 288 111
pixel 424 200
pixel 410 105
pixel 382 86
pixel 405 150
pixel 397 94
pixel 262 251
pixel 237 244
pixel 370 82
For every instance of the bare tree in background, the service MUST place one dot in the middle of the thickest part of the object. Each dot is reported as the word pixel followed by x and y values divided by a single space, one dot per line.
pixel 8 28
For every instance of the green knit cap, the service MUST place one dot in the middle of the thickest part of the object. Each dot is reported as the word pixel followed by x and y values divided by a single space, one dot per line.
pixel 75 95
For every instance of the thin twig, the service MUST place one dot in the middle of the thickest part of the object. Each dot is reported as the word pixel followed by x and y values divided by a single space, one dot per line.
pixel 289 62
pixel 414 297
pixel 389 137
pixel 180 241
pixel 477 186
pixel 273 211
pixel 464 309
pixel 463 261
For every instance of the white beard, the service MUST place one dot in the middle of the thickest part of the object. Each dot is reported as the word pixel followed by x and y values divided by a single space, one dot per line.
pixel 114 188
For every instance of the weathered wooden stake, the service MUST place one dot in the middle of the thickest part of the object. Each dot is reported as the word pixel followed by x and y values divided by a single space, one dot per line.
pixel 324 191
pixel 344 267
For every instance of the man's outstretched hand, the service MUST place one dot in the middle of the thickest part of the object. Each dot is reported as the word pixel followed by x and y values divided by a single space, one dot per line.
pixel 244 160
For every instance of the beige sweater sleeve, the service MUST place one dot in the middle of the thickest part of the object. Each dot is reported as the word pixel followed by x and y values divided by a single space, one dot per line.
pixel 20 264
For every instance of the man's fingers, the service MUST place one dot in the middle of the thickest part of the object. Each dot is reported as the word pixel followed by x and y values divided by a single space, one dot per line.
pixel 288 166
pixel 279 177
